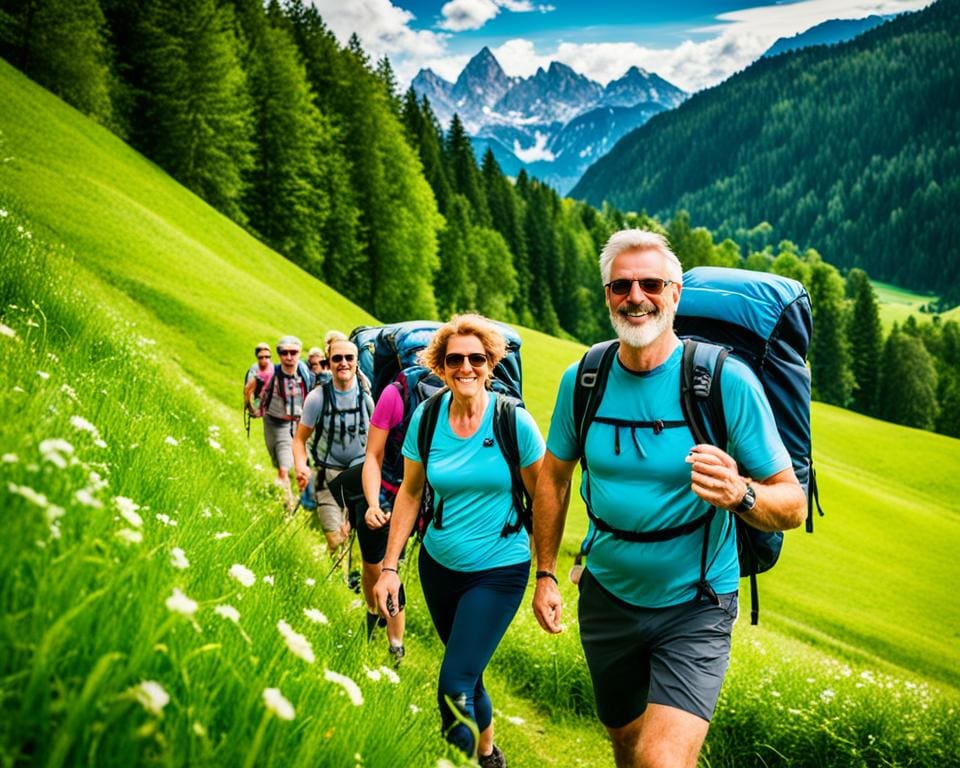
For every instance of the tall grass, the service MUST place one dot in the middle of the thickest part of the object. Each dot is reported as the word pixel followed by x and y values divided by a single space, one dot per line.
pixel 124 637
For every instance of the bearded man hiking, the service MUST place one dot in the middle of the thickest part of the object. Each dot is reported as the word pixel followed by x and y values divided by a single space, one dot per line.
pixel 658 598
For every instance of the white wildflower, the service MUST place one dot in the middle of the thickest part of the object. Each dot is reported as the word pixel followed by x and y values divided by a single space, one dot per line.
pixel 178 559
pixel 69 392
pixel 310 582
pixel 9 458
pixel 373 674
pixel 214 444
pixel 827 694
pixel 55 532
pixel 29 494
pixel 170 440
pixel 242 574
pixel 7 331
pixel 276 703
pixel 514 720
pixel 228 612
pixel 86 497
pixel 82 425
pixel 42 374
pixel 392 676
pixel 56 451
pixel 100 443
pixel 268 580
pixel 128 511
pixel 315 616
pixel 180 603
pixel 222 535
pixel 128 536
pixel 350 688
pixel 96 482
pixel 166 519
pixel 151 696
pixel 414 708
pixel 54 513
pixel 296 643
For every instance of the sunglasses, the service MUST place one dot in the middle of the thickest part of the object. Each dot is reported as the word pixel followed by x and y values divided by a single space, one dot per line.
pixel 652 286
pixel 455 359
pixel 285 352
pixel 263 357
pixel 340 358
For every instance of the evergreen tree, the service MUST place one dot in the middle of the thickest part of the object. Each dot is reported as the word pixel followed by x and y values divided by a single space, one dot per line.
pixel 198 124
pixel 285 201
pixel 865 333
pixel 388 79
pixel 455 289
pixel 62 45
pixel 540 248
pixel 423 133
pixel 908 382
pixel 496 278
pixel 832 380
pixel 462 170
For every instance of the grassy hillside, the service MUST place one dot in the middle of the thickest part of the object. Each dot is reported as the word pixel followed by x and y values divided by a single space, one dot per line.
pixel 129 311
pixel 897 304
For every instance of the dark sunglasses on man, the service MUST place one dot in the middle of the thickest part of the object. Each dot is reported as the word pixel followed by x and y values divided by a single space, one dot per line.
pixel 337 359
pixel 288 352
pixel 652 286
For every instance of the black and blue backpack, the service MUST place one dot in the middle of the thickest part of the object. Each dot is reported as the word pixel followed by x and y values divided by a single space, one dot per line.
pixel 766 321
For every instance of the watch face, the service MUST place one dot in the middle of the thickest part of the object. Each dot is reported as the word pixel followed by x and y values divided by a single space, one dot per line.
pixel 748 501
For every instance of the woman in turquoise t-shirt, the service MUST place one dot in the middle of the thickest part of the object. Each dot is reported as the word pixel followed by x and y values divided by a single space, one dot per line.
pixel 473 572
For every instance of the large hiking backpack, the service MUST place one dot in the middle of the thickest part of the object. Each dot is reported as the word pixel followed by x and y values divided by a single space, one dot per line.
pixel 766 321
pixel 304 374
pixel 504 435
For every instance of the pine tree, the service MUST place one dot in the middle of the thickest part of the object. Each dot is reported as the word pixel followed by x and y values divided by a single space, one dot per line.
pixel 832 380
pixel 462 171
pixel 285 201
pixel 865 333
pixel 908 382
pixel 199 124
pixel 455 289
pixel 62 45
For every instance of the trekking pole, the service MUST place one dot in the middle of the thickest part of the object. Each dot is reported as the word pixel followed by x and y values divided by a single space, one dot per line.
pixel 343 554
pixel 246 420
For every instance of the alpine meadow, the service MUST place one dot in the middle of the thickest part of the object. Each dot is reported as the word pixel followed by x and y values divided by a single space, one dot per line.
pixel 158 607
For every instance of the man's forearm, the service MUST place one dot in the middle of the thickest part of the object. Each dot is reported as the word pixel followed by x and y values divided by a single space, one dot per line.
pixel 550 512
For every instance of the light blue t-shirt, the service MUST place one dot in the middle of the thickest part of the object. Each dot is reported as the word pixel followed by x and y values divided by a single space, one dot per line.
pixel 646 486
pixel 471 475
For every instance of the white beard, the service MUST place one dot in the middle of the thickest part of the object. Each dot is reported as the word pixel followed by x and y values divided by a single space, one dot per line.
pixel 640 336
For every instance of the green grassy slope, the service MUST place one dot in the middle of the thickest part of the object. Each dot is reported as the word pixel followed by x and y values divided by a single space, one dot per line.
pixel 872 584
pixel 897 304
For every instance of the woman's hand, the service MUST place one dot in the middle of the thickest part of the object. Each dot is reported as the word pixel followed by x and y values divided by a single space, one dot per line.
pixel 376 518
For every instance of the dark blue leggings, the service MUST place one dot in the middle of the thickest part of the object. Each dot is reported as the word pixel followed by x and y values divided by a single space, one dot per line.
pixel 471 612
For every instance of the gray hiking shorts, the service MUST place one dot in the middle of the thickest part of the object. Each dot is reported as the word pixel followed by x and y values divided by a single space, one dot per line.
pixel 330 514
pixel 278 435
pixel 676 656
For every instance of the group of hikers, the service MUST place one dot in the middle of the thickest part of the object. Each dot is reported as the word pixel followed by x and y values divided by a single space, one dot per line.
pixel 658 596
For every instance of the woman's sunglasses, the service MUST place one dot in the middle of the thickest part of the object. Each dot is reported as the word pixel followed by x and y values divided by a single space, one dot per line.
pixel 652 286
pixel 455 359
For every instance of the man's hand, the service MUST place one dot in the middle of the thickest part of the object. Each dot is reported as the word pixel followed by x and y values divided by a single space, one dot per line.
pixel 376 518
pixel 548 605
pixel 714 477
pixel 303 475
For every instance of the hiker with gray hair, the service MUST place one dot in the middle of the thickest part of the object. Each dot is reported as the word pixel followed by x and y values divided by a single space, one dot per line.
pixel 281 404
pixel 658 597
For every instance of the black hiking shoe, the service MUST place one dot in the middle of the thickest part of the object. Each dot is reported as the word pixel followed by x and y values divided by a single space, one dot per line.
pixel 397 652
pixel 494 760
pixel 374 620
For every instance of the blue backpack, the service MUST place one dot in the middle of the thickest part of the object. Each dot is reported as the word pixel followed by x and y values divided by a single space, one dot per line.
pixel 766 321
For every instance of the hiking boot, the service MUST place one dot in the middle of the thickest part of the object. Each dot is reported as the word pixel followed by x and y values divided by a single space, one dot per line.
pixel 494 760
pixel 397 652
pixel 374 620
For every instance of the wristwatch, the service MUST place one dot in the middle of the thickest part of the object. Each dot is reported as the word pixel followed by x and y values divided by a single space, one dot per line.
pixel 748 502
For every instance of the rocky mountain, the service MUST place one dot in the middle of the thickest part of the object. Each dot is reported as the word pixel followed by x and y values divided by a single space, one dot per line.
pixel 554 123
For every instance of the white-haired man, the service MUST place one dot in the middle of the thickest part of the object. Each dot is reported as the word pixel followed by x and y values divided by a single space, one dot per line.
pixel 656 614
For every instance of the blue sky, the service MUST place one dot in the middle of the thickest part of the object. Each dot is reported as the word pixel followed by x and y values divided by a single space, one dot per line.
pixel 692 43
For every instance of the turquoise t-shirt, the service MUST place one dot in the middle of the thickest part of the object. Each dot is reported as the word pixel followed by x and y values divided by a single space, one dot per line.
pixel 471 475
pixel 646 486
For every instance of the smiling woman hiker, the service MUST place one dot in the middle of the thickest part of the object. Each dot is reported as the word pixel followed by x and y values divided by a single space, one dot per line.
pixel 475 559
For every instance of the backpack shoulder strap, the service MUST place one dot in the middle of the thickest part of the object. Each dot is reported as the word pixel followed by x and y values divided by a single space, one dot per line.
pixel 701 398
pixel 271 387
pixel 430 509
pixel 589 386
pixel 505 434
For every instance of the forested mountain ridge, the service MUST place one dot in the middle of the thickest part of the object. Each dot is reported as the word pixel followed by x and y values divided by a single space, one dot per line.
pixel 852 150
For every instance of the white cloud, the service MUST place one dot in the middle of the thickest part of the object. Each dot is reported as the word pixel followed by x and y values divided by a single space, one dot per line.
pixel 461 15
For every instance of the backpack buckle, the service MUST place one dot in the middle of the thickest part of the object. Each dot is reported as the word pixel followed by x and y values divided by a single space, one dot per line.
pixel 588 378
pixel 702 379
